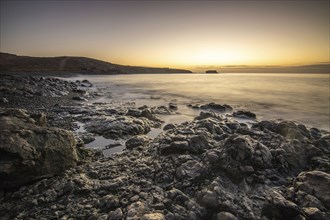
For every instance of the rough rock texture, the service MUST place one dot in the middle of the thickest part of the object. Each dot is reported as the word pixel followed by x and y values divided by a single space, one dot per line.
pixel 30 152
pixel 211 168
pixel 114 127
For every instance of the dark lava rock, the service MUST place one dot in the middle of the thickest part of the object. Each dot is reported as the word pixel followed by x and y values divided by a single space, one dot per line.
pixel 212 106
pixel 280 208
pixel 173 106
pixel 291 130
pixel 141 140
pixel 168 127
pixel 119 126
pixel 245 114
pixel 313 183
pixel 86 83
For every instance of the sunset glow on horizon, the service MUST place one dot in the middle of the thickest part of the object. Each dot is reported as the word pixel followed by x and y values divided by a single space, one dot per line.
pixel 170 34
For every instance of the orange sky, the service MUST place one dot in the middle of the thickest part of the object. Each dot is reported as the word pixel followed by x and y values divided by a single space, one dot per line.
pixel 170 34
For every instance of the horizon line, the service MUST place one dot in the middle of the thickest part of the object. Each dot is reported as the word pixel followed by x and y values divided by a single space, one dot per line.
pixel 189 66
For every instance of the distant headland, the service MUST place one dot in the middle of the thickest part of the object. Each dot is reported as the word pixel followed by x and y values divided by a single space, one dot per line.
pixel 83 65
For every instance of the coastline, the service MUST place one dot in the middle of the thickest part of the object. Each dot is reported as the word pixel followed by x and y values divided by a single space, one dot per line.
pixel 209 168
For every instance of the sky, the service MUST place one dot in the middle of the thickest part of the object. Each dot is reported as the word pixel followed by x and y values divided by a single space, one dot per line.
pixel 170 33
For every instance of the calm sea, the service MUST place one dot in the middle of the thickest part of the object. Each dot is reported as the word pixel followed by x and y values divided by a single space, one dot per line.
pixel 299 97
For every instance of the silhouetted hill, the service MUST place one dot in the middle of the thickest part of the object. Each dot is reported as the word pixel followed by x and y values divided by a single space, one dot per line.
pixel 14 63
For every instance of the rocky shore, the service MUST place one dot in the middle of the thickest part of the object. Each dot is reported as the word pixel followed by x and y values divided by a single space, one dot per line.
pixel 213 167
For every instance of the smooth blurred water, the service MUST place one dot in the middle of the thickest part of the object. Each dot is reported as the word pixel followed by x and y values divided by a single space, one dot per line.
pixel 299 97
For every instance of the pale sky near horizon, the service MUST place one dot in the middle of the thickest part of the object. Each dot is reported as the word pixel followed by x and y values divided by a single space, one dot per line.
pixel 170 33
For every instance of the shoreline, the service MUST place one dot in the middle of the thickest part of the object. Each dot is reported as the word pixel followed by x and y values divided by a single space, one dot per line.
pixel 213 167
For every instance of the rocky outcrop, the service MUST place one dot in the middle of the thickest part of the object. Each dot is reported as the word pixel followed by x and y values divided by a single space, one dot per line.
pixel 30 152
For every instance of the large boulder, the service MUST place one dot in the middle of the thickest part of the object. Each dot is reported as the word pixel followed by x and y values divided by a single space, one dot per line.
pixel 29 152
pixel 242 155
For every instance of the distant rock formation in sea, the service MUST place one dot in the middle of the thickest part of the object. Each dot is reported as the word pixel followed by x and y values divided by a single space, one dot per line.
pixel 211 71
pixel 84 65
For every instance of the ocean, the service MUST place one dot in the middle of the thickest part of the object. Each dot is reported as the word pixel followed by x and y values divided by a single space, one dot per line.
pixel 303 98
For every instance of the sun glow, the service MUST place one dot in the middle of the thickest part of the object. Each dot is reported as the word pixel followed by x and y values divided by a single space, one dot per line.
pixel 213 56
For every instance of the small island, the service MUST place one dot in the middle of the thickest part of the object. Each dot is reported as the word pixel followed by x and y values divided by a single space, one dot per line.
pixel 211 71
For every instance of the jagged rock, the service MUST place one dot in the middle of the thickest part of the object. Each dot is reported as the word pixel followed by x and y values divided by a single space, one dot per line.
pixel 168 127
pixel 190 170
pixel 240 152
pixel 315 183
pixel 214 106
pixel 30 152
pixel 292 131
pixel 114 127
pixel 115 215
pixel 176 147
pixel 245 114
pixel 141 140
pixel 86 83
pixel 173 106
pixel 280 208
pixel 145 113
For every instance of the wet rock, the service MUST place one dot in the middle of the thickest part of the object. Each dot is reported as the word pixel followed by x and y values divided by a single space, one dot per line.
pixel 173 106
pixel 265 125
pixel 43 151
pixel 141 140
pixel 87 138
pixel 86 83
pixel 145 113
pixel 214 106
pixel 168 127
pixel 204 115
pixel 245 114
pixel 291 130
pixel 114 127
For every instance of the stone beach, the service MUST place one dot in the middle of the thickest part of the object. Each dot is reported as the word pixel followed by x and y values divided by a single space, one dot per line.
pixel 212 167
